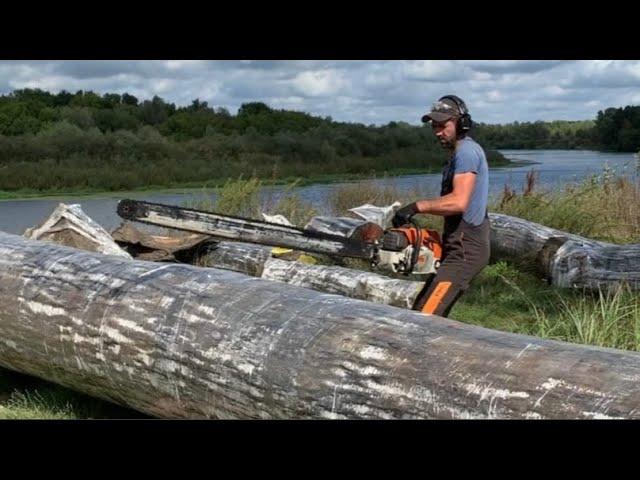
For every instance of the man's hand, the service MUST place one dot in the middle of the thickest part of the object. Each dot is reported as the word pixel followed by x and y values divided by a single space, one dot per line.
pixel 403 216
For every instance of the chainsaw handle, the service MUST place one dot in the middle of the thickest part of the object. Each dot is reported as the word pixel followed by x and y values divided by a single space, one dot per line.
pixel 416 247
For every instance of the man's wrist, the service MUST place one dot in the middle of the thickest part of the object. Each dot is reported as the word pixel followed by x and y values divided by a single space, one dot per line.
pixel 422 206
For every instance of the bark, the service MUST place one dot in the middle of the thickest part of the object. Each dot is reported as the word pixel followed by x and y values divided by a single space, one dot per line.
pixel 69 225
pixel 257 261
pixel 240 229
pixel 567 260
pixel 179 341
pixel 158 248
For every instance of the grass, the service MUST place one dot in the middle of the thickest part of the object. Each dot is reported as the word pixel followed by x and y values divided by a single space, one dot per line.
pixel 604 207
pixel 25 397
pixel 505 298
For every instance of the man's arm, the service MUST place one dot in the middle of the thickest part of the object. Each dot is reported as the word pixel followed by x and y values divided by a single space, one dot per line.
pixel 453 203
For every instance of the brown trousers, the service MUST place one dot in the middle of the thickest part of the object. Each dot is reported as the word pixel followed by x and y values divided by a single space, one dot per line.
pixel 466 250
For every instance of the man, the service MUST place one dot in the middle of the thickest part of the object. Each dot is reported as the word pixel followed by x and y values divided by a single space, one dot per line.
pixel 462 203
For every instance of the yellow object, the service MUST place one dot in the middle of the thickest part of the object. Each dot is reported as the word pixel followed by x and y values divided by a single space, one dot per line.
pixel 307 259
pixel 279 251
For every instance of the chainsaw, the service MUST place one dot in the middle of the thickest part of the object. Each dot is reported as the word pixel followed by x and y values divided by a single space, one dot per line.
pixel 407 250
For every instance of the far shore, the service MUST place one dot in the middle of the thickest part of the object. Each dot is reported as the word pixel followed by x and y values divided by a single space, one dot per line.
pixel 209 185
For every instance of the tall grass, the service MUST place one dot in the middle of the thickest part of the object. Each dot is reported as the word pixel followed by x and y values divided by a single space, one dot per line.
pixel 505 298
pixel 248 198
pixel 604 207
pixel 607 319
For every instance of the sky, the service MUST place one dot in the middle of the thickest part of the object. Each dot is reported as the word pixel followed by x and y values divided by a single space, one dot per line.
pixel 363 91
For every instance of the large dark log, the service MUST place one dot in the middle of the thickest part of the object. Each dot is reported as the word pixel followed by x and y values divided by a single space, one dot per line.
pixel 593 265
pixel 240 229
pixel 179 341
pixel 157 248
pixel 567 260
pixel 257 261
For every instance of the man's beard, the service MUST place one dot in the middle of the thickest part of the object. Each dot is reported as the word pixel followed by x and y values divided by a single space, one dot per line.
pixel 448 144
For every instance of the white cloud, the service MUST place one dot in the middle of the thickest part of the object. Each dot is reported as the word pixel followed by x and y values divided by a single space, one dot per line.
pixel 496 91
pixel 318 83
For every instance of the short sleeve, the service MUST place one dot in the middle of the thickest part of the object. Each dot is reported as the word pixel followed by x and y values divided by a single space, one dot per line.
pixel 467 160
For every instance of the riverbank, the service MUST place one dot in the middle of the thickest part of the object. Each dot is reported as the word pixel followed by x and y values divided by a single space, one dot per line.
pixel 197 187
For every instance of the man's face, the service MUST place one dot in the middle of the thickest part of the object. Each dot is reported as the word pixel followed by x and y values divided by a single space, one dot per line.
pixel 446 133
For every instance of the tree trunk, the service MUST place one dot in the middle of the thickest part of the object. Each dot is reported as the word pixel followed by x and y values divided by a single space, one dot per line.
pixel 567 260
pixel 179 341
pixel 258 261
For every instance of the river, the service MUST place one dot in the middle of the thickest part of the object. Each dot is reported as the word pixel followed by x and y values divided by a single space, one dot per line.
pixel 554 168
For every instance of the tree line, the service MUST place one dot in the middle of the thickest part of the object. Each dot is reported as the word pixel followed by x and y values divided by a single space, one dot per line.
pixel 86 141
pixel 614 129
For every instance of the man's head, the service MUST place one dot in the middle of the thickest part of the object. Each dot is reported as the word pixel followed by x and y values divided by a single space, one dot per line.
pixel 449 119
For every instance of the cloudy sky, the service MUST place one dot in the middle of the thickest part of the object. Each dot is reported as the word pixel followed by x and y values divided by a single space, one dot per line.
pixel 367 91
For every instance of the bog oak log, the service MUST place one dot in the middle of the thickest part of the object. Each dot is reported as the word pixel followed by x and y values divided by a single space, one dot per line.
pixel 257 261
pixel 567 260
pixel 179 341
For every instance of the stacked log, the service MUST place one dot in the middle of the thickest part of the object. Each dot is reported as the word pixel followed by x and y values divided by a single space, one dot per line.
pixel 177 341
pixel 567 260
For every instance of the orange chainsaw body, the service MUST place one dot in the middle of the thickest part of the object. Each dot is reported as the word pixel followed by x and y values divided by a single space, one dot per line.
pixel 430 238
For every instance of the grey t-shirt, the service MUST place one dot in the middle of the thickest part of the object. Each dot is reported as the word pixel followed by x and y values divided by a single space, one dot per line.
pixel 470 157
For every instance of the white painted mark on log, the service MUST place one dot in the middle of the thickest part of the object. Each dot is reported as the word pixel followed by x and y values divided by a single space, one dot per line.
pixel 553 383
pixel 134 308
pixel 144 358
pixel 246 368
pixel 373 353
pixel 331 416
pixel 529 345
pixel 339 372
pixel 130 325
pixel 37 307
pixel 165 302
pixel 209 311
pixel 365 410
pixel 57 261
pixel 488 392
pixel 155 270
pixel 115 334
pixel 193 318
pixel 214 354
pixel 600 416
pixel 335 392
pixel 80 339
pixel 366 371
pixel 549 385
pixel 532 415
pixel 9 343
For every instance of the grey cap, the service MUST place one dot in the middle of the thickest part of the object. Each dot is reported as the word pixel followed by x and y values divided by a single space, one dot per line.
pixel 442 110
